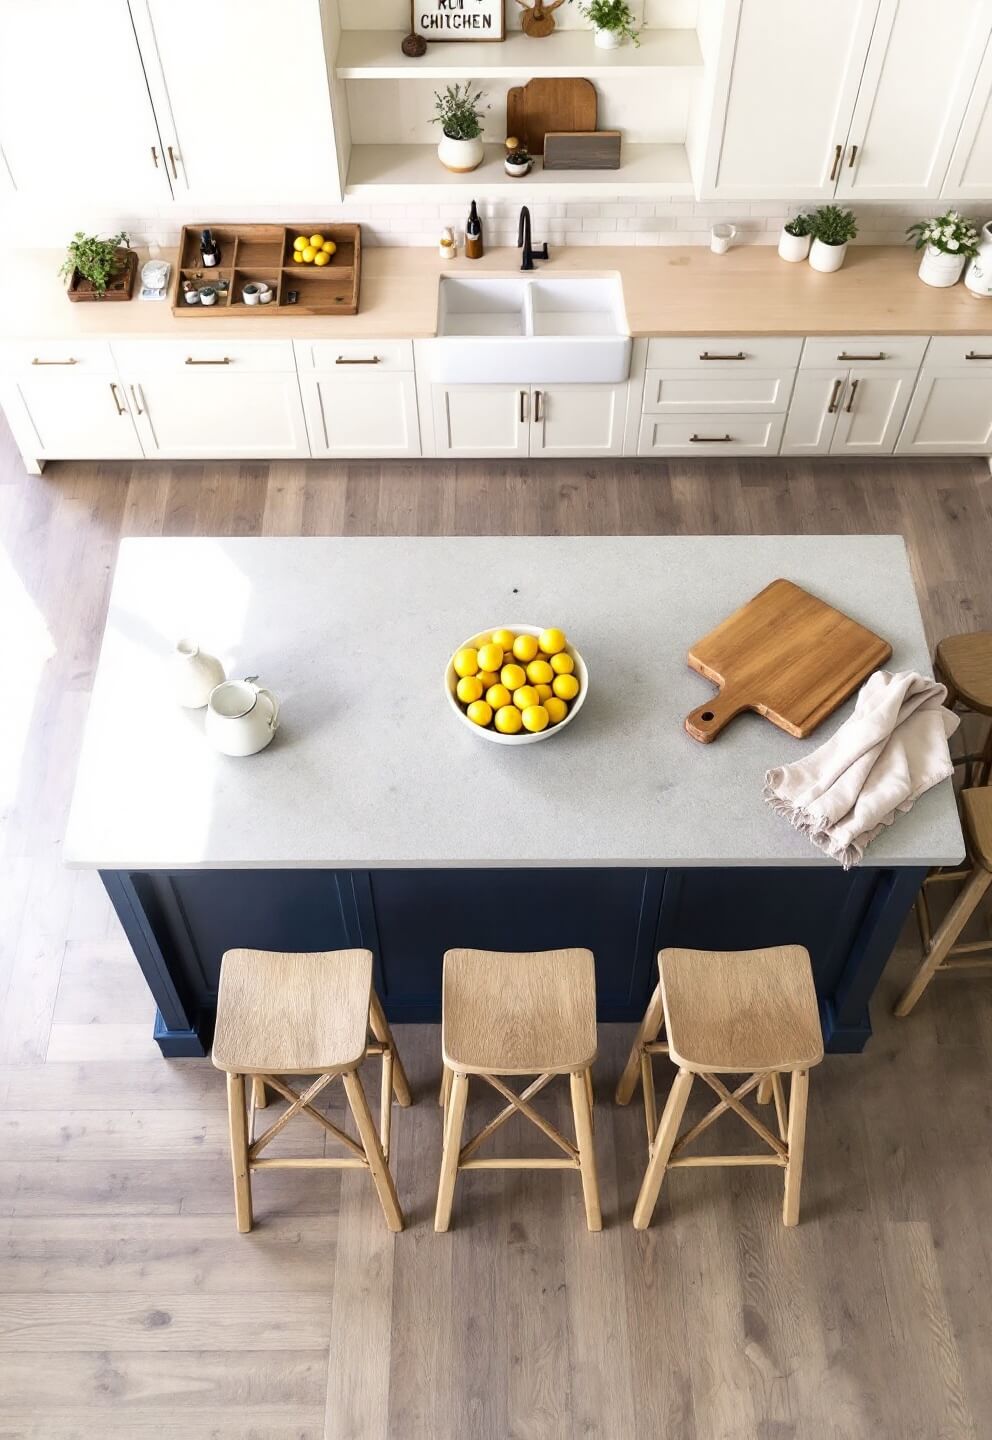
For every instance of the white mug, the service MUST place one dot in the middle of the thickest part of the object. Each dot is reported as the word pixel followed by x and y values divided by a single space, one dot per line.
pixel 721 237
pixel 264 293
pixel 241 717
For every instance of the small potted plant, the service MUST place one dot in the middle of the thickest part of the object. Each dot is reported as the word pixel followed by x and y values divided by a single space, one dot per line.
pixel 517 160
pixel 612 21
pixel 99 269
pixel 460 119
pixel 947 242
pixel 831 229
pixel 793 243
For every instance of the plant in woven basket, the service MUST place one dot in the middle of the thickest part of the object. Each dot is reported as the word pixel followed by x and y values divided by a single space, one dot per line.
pixel 96 260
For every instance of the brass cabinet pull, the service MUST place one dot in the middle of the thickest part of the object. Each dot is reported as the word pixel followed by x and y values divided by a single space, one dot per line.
pixel 523 405
pixel 706 355
pixel 121 409
pixel 971 355
pixel 135 389
pixel 852 157
pixel 70 361
pixel 858 358
pixel 838 152
pixel 344 360
pixel 835 397
pixel 710 439
pixel 190 361
pixel 538 415
pixel 172 161
pixel 850 399
pixel 155 156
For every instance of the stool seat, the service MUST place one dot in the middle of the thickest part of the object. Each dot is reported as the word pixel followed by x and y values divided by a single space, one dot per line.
pixel 744 1011
pixel 976 806
pixel 519 1013
pixel 965 663
pixel 292 1014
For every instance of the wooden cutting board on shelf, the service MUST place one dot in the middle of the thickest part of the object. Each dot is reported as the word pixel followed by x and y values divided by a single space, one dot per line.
pixel 787 655
pixel 549 104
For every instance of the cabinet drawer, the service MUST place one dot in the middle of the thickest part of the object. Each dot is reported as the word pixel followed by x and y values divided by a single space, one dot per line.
pixel 62 357
pixel 371 355
pixel 885 352
pixel 972 352
pixel 143 357
pixel 704 352
pixel 699 435
pixel 698 392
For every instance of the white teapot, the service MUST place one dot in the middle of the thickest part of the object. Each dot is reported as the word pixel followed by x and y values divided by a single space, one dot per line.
pixel 241 717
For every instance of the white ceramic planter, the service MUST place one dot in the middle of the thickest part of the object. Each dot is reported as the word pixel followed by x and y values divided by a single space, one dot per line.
pixel 793 247
pixel 194 674
pixel 826 258
pixel 978 276
pixel 939 269
pixel 460 156
pixel 608 39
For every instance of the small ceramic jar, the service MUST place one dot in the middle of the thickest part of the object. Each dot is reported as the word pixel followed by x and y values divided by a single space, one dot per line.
pixel 208 295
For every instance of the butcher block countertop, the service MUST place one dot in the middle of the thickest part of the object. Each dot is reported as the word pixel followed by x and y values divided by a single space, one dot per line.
pixel 682 290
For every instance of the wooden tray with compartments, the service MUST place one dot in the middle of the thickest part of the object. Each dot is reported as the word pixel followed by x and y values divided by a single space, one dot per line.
pixel 253 253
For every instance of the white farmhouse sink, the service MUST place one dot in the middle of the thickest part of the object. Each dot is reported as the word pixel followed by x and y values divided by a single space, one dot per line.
pixel 531 331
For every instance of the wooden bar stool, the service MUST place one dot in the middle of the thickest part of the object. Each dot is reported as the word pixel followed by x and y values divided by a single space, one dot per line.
pixel 748 1012
pixel 518 1014
pixel 964 664
pixel 290 1014
pixel 940 949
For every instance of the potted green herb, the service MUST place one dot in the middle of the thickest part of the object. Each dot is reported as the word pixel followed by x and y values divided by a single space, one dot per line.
pixel 793 243
pixel 99 269
pixel 612 21
pixel 947 242
pixel 517 160
pixel 832 228
pixel 460 118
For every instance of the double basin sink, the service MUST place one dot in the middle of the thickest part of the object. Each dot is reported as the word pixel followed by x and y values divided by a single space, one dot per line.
pixel 531 331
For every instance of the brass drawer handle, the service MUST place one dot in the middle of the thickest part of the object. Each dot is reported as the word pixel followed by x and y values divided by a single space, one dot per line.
pixel 835 397
pixel 134 396
pixel 523 406
pixel 538 413
pixel 172 161
pixel 852 157
pixel 121 409
pixel 155 156
pixel 710 439
pixel 190 361
pixel 70 361
pixel 858 358
pixel 344 360
pixel 706 355
pixel 850 399
pixel 838 152
pixel 971 355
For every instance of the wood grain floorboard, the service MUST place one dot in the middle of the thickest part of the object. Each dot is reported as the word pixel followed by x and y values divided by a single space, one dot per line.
pixel 129 1305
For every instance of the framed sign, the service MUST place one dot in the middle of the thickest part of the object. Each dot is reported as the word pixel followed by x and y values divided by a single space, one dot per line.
pixel 458 19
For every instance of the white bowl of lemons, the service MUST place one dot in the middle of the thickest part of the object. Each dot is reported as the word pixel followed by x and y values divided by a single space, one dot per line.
pixel 515 684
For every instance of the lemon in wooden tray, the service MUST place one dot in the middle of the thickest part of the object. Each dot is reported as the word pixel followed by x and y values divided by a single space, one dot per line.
pixel 516 683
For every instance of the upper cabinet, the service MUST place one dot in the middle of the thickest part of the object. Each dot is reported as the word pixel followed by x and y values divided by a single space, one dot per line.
pixel 969 175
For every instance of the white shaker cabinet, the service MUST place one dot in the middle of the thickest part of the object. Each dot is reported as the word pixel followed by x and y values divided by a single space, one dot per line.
pixel 872 410
pixel 490 421
pixel 951 409
pixel 358 415
pixel 812 417
pixel 71 417
pixel 969 174
pixel 577 420
pixel 223 416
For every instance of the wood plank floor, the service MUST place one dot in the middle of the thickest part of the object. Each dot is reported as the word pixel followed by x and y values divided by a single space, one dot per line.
pixel 129 1306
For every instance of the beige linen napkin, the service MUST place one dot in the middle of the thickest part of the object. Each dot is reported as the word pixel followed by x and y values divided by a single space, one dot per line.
pixel 882 759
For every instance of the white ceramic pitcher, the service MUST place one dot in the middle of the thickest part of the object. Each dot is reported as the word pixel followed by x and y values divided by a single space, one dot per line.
pixel 242 717
pixel 194 674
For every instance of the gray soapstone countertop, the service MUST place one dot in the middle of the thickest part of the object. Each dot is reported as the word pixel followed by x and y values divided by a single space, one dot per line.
pixel 370 767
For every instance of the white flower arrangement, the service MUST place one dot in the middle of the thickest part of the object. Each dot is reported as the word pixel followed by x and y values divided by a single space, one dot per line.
pixel 951 234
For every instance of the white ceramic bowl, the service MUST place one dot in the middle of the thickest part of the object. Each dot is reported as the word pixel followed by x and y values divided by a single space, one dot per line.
pixel 525 737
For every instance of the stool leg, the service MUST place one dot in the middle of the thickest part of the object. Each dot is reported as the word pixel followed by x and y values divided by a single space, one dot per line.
pixel 259 1094
pixel 382 1032
pixel 661 1150
pixel 381 1177
pixel 944 937
pixel 237 1117
pixel 765 1093
pixel 983 775
pixel 445 1093
pixel 654 1018
pixel 798 1092
pixel 582 1114
pixel 455 1118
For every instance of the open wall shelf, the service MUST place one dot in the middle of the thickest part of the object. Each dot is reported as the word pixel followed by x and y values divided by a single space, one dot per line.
pixel 376 55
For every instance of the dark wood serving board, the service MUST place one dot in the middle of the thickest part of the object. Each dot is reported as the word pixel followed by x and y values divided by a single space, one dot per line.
pixel 549 104
pixel 786 654
pixel 582 150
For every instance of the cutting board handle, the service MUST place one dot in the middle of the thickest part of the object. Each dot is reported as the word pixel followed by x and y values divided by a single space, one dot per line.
pixel 706 721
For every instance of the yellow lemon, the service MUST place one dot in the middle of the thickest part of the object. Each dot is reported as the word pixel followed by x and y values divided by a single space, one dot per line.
pixel 525 648
pixel 479 712
pixel 466 662
pixel 298 256
pixel 308 253
pixel 513 676
pixel 491 657
pixel 329 247
pixel 566 687
pixel 322 258
pixel 316 241
pixel 562 664
pixel 539 672
pixel 525 697
pixel 489 677
pixel 504 639
pixel 544 693
pixel 552 641
pixel 498 696
pixel 508 720
pixel 299 242
pixel 469 688
pixel 556 708
pixel 535 718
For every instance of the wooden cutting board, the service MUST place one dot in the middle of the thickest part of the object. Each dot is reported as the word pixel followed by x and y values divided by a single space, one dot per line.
pixel 787 655
pixel 549 104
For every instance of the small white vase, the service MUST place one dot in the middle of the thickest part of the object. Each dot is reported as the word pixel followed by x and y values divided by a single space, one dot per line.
pixel 826 258
pixel 194 674
pixel 608 39
pixel 793 247
pixel 978 276
pixel 939 269
pixel 460 156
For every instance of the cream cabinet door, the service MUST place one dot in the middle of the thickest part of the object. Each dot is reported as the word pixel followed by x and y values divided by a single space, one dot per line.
pixel 872 411
pixel 224 415
pixel 75 417
pixel 484 420
pixel 950 414
pixel 361 414
pixel 918 78
pixel 577 420
pixel 969 174
pixel 76 122
pixel 816 401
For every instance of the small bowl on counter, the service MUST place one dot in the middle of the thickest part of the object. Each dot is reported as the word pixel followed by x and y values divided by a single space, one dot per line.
pixel 522 737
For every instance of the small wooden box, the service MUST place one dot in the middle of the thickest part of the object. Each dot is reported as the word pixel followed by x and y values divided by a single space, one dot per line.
pixel 582 150
pixel 253 253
